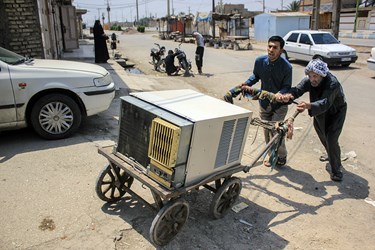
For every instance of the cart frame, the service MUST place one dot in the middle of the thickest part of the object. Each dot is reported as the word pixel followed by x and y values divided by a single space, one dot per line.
pixel 116 179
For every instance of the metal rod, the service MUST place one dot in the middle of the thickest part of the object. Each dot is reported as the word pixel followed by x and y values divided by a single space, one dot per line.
pixel 269 144
pixel 264 150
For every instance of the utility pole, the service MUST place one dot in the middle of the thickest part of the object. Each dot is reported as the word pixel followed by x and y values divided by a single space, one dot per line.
pixel 336 9
pixel 356 16
pixel 264 6
pixel 168 8
pixel 213 21
pixel 315 15
pixel 137 12
pixel 109 19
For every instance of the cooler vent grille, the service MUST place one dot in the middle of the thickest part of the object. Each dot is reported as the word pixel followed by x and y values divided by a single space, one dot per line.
pixel 164 141
pixel 231 140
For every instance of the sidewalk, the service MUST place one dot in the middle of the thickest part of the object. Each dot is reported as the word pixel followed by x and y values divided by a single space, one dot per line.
pixel 85 52
pixel 122 79
pixel 360 34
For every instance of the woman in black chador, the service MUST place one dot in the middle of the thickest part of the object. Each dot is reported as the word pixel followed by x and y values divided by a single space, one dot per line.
pixel 101 50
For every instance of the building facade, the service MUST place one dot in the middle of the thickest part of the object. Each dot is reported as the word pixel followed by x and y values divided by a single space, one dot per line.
pixel 365 18
pixel 38 28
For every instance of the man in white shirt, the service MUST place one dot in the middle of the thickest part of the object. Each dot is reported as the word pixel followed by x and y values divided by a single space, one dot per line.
pixel 199 51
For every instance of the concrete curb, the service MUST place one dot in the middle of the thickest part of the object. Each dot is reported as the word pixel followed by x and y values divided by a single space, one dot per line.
pixel 357 35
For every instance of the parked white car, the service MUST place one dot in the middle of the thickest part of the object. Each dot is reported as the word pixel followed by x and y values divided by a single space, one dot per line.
pixel 52 96
pixel 371 60
pixel 310 44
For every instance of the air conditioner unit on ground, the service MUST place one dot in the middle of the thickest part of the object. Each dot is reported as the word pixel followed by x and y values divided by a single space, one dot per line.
pixel 181 136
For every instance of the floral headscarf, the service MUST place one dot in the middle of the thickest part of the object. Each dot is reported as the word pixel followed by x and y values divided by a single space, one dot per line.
pixel 318 67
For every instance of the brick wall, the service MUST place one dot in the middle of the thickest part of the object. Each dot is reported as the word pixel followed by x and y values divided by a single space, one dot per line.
pixel 20 27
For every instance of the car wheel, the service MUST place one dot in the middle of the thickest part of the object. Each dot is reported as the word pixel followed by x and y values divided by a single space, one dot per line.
pixel 285 55
pixel 318 57
pixel 55 116
pixel 160 66
pixel 345 65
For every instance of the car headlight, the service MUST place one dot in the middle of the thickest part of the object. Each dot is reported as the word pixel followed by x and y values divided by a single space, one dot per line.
pixel 353 53
pixel 103 81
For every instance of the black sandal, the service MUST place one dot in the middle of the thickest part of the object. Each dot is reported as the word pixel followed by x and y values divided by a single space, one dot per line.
pixel 281 161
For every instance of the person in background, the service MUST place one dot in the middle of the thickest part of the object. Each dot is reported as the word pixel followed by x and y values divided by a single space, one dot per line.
pixel 100 45
pixel 170 68
pixel 199 40
pixel 275 74
pixel 328 107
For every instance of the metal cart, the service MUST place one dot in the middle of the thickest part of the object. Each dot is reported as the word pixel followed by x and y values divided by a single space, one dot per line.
pixel 116 179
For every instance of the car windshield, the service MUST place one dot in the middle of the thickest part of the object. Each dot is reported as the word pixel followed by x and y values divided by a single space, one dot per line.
pixel 324 38
pixel 11 57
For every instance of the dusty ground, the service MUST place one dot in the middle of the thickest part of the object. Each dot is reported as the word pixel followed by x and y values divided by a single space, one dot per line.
pixel 294 207
pixel 47 189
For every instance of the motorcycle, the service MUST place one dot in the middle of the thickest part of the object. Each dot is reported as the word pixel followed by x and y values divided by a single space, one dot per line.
pixel 157 55
pixel 185 64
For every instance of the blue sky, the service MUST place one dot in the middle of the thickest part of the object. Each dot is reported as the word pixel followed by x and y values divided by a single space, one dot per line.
pixel 126 9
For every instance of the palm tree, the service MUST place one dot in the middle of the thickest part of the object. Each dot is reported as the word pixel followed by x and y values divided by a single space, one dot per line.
pixel 294 6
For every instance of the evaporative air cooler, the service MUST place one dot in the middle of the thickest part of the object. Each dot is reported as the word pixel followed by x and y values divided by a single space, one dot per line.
pixel 181 136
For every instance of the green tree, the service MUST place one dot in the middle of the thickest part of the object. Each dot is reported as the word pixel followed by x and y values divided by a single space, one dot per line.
pixel 294 6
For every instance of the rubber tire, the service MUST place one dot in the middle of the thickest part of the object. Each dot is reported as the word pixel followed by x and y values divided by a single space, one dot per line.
pixel 47 99
pixel 345 65
pixel 285 55
pixel 160 66
pixel 184 66
pixel 319 57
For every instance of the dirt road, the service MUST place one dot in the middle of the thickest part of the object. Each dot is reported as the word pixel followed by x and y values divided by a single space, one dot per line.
pixel 47 188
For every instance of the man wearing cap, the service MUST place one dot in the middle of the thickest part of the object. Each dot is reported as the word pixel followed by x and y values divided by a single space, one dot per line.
pixel 328 107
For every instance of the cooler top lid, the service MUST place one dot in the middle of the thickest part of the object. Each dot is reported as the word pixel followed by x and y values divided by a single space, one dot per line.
pixel 191 104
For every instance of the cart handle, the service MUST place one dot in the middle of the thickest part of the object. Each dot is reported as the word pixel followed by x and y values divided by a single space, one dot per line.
pixel 281 132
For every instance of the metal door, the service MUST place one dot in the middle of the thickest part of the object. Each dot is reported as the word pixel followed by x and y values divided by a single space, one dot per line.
pixel 47 30
pixel 69 27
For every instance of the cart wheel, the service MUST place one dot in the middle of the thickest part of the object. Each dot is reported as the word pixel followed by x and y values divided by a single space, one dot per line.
pixel 108 188
pixel 169 221
pixel 225 197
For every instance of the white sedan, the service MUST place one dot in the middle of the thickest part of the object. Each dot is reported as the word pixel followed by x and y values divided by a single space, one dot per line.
pixel 310 44
pixel 371 60
pixel 51 96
